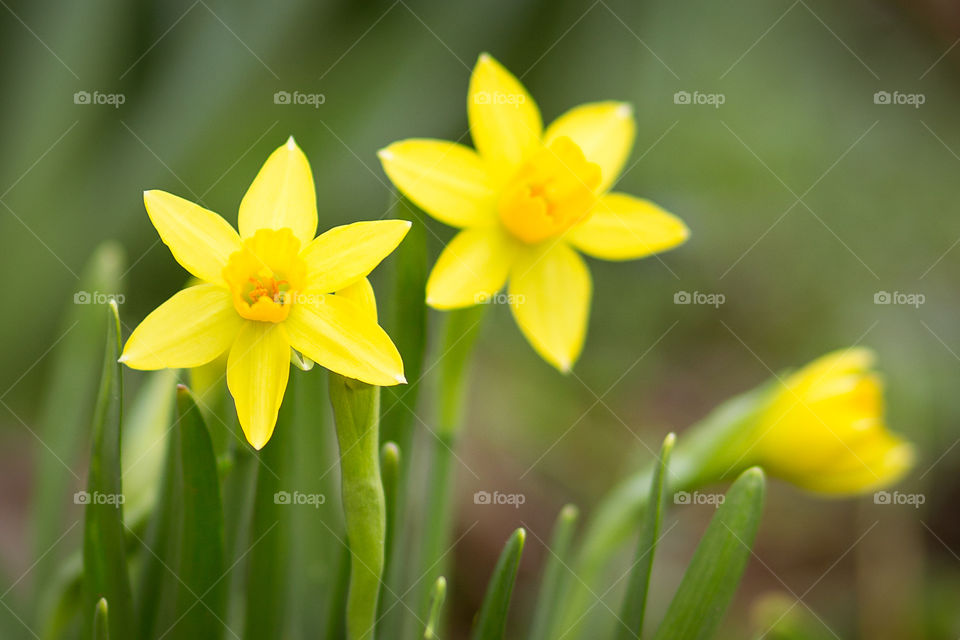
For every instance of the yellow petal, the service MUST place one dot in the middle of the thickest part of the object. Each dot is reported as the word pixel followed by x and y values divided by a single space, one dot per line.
pixel 282 195
pixel 257 371
pixel 868 473
pixel 447 180
pixel 190 329
pixel 343 255
pixel 622 227
pixel 504 120
pixel 604 131
pixel 338 334
pixel 473 267
pixel 200 240
pixel 361 294
pixel 550 292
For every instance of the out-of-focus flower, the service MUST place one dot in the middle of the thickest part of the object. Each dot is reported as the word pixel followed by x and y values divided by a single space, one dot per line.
pixel 267 289
pixel 527 200
pixel 824 428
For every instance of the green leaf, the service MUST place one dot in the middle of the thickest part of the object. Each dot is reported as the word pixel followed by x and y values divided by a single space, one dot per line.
pixel 711 579
pixel 556 574
pixel 635 601
pixel 68 399
pixel 356 411
pixel 268 559
pixel 201 596
pixel 101 629
pixel 157 586
pixel 104 551
pixel 390 473
pixel 437 597
pixel 492 620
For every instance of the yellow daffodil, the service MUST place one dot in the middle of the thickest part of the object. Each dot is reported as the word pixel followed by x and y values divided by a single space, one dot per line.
pixel 267 289
pixel 527 200
pixel 824 431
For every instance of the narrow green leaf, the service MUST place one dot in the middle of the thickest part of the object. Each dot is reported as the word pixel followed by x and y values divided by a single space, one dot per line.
pixel 635 602
pixel 268 559
pixel 556 574
pixel 711 579
pixel 356 411
pixel 491 622
pixel 157 586
pixel 63 601
pixel 104 551
pixel 437 597
pixel 201 597
pixel 101 629
pixel 391 474
pixel 460 334
pixel 68 399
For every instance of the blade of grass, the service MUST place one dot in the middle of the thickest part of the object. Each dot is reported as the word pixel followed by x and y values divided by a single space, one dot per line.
pixel 711 579
pixel 101 629
pixel 492 620
pixel 437 597
pixel 104 547
pixel 635 600
pixel 201 596
pixel 67 407
pixel 391 473
pixel 556 574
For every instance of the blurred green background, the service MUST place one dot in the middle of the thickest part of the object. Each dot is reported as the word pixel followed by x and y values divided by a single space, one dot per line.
pixel 806 198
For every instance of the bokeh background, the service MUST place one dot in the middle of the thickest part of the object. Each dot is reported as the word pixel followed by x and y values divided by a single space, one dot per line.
pixel 806 198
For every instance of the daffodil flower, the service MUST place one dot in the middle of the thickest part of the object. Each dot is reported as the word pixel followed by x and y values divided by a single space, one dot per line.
pixel 271 287
pixel 824 430
pixel 527 200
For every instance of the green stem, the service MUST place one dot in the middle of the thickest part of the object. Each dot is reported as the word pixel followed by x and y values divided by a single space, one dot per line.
pixel 356 409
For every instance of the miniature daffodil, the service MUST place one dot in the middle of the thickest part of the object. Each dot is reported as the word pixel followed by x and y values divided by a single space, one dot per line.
pixel 268 288
pixel 527 200
pixel 824 430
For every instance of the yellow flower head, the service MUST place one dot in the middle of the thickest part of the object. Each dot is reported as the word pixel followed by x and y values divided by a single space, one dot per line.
pixel 526 201
pixel 267 289
pixel 823 430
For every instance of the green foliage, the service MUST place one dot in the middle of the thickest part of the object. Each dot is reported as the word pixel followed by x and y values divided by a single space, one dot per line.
pixel 491 622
